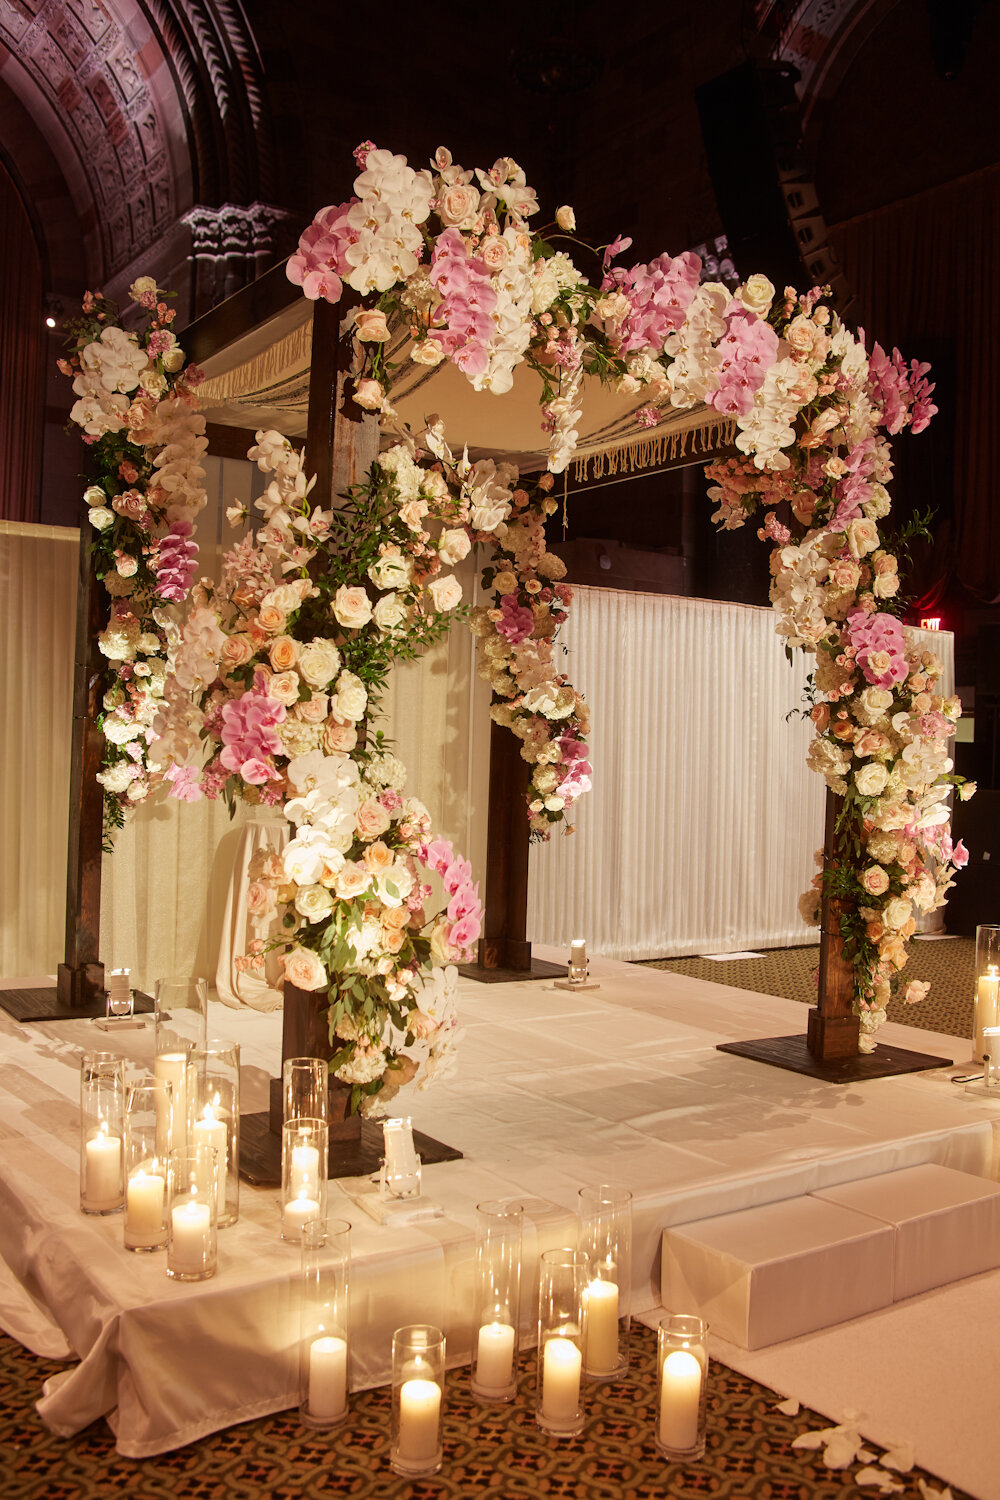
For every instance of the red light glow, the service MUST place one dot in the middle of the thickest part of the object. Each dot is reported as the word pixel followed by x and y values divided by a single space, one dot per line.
pixel 931 622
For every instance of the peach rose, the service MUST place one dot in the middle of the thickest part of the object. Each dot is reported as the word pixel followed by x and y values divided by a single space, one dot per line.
pixel 236 651
pixel 371 327
pixel 395 917
pixel 351 880
pixel 392 940
pixel 304 969
pixel 271 619
pixel 379 856
pixel 285 687
pixel 875 881
pixel 283 652
pixel 372 820
pixel 891 951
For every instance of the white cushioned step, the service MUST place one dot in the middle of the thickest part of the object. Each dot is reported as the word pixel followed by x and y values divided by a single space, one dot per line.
pixel 771 1273
pixel 947 1223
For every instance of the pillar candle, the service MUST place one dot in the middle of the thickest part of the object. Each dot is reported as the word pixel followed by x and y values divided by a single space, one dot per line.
pixel 104 1171
pixel 171 1067
pixel 561 1367
pixel 305 1171
pixel 327 1379
pixel 298 1211
pixel 602 1327
pixel 211 1131
pixel 680 1401
pixel 144 1209
pixel 190 1242
pixel 495 1356
pixel 419 1410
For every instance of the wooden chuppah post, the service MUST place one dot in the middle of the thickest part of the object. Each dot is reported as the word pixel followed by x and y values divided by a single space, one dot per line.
pixel 833 1028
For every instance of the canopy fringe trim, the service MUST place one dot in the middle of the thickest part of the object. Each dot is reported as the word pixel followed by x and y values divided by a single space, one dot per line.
pixel 280 361
pixel 655 450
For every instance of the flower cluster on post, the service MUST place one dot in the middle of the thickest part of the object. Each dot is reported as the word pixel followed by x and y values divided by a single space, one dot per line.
pixel 136 407
pixel 882 723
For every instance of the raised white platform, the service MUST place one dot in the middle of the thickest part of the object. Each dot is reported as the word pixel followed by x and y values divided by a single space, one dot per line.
pixel 551 1091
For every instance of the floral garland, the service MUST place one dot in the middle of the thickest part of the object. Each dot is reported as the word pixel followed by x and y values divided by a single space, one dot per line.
pixel 135 404
pixel 286 661
pixel 882 725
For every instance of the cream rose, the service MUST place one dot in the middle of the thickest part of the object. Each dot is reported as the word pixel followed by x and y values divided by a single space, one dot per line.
pixel 453 546
pixel 870 779
pixel 389 614
pixel 371 819
pixel 446 592
pixel 352 607
pixel 392 571
pixel 458 205
pixel 93 495
pixel 100 517
pixel 352 880
pixel 305 970
pixel 897 912
pixel 285 687
pixel 427 352
pixel 371 327
pixel 283 653
pixel 566 218
pixel 318 662
pixel 875 881
pixel 862 537
pixel 756 295
pixel 172 359
pixel 313 902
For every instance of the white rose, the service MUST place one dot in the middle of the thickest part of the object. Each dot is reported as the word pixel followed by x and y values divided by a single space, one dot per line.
pixel 756 295
pixel 458 205
pixel 391 571
pixel 318 662
pixel 95 496
pixel 389 614
pixel 313 902
pixel 870 780
pixel 566 218
pixel 350 699
pixel 897 912
pixel 352 608
pixel 143 286
pixel 153 383
pixel 446 592
pixel 427 352
pixel 172 359
pixel 453 546
pixel 101 517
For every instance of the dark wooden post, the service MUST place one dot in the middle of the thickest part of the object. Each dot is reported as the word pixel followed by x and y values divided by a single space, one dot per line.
pixel 504 943
pixel 81 976
pixel 833 1028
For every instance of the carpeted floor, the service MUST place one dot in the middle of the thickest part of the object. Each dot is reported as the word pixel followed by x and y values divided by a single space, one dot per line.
pixel 497 1454
pixel 791 972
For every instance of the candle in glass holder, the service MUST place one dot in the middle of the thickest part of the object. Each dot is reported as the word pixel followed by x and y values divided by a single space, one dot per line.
pixel 296 1213
pixel 495 1356
pixel 171 1067
pixel 103 1173
pixel 986 1010
pixel 305 1171
pixel 191 1235
pixel 419 1411
pixel 144 1210
pixel 562 1365
pixel 327 1379
pixel 680 1399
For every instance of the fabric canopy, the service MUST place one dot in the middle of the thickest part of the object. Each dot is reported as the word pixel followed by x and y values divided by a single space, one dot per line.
pixel 262 380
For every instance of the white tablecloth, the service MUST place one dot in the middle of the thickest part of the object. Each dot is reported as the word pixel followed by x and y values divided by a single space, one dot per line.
pixel 552 1091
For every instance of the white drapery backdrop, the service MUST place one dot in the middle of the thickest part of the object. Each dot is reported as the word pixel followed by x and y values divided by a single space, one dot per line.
pixel 698 836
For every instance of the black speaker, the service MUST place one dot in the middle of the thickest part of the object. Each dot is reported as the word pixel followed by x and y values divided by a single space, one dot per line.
pixel 766 198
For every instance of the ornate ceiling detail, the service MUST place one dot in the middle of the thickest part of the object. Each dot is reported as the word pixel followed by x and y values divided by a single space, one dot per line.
pixel 148 108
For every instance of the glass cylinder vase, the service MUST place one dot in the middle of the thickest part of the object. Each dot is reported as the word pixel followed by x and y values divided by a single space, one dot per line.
pixel 986 1009
pixel 180 1025
pixel 681 1380
pixel 145 1168
pixel 304 1166
pixel 418 1361
pixel 605 1235
pixel 213 1105
pixel 192 1207
pixel 563 1276
pixel 102 1125
pixel 305 1089
pixel 325 1311
pixel 497 1299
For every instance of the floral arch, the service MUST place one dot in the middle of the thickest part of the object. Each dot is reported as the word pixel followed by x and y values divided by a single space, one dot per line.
pixel 277 667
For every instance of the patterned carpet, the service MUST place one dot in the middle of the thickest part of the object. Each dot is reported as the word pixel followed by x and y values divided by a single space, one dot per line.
pixel 790 972
pixel 499 1455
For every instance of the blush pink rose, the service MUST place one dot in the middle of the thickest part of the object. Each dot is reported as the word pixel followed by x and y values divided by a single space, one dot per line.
pixel 305 970
pixel 285 687
pixel 875 881
pixel 372 819
pixel 339 737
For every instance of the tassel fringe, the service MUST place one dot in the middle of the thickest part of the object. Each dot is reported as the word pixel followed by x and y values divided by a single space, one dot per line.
pixel 281 361
pixel 655 450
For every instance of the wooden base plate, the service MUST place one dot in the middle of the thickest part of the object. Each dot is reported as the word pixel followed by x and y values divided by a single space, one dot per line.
pixel 791 1053
pixel 45 1005
pixel 361 1156
pixel 540 969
